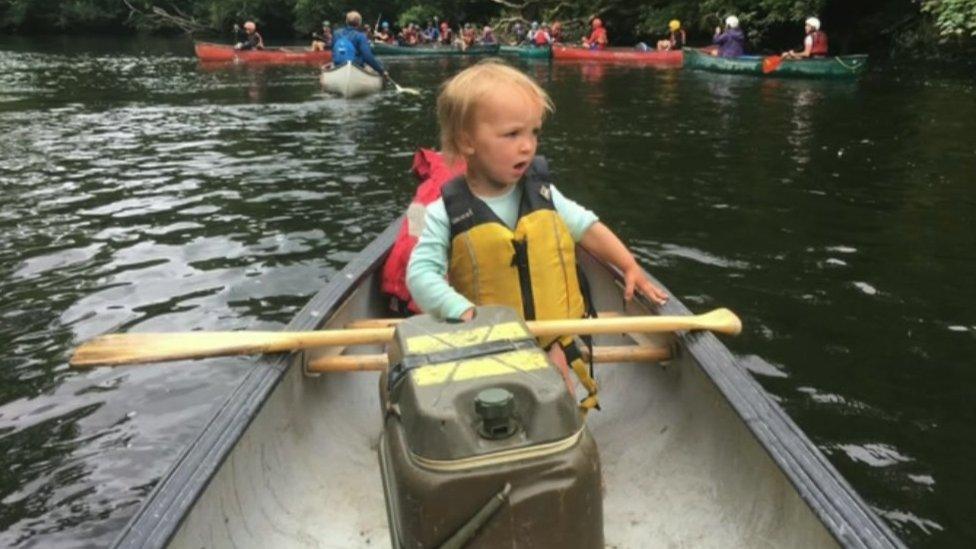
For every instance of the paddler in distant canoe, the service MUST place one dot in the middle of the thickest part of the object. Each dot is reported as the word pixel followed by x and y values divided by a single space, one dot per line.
pixel 323 41
pixel 597 40
pixel 251 39
pixel 814 43
pixel 731 42
pixel 676 37
pixel 352 46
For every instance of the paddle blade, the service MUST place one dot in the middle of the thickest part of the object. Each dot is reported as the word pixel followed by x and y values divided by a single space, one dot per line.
pixel 771 63
pixel 722 321
pixel 411 91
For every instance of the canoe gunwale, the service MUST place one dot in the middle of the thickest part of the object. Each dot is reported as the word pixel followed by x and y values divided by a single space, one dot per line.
pixel 162 513
pixel 843 513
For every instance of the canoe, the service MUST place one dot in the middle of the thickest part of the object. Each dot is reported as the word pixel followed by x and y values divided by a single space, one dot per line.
pixel 693 452
pixel 619 55
pixel 222 53
pixel 349 80
pixel 528 52
pixel 843 66
pixel 380 48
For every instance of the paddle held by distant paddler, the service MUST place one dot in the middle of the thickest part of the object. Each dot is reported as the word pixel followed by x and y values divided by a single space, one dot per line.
pixel 135 348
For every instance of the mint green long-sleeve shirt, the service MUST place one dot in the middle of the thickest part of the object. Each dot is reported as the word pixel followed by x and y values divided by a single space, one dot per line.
pixel 427 270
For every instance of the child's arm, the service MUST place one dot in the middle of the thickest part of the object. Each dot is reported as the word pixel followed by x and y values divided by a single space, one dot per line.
pixel 601 242
pixel 587 230
pixel 427 270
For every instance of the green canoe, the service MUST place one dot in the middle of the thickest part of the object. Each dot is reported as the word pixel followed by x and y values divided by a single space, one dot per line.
pixel 529 52
pixel 844 66
pixel 380 48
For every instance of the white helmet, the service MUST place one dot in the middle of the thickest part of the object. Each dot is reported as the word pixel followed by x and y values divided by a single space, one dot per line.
pixel 732 22
pixel 813 22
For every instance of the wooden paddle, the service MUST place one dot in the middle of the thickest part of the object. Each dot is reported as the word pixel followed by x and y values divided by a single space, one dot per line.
pixel 771 63
pixel 401 89
pixel 134 348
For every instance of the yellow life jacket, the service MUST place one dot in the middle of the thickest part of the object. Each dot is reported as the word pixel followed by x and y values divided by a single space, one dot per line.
pixel 531 268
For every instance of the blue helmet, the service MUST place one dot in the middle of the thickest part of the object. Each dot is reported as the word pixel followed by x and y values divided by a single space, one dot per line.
pixel 386 24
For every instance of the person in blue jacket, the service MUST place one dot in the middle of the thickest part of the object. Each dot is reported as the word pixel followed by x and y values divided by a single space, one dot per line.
pixel 732 42
pixel 350 44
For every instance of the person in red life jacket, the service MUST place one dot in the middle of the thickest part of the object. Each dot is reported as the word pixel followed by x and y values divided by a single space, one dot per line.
pixel 597 40
pixel 556 34
pixel 447 35
pixel 433 171
pixel 252 38
pixel 814 44
pixel 542 37
pixel 384 34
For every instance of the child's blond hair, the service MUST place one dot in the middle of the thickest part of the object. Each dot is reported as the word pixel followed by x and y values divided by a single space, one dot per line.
pixel 461 94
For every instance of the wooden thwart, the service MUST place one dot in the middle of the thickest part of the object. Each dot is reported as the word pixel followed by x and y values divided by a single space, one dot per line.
pixel 379 362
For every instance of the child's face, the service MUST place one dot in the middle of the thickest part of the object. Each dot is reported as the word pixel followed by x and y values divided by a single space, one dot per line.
pixel 503 136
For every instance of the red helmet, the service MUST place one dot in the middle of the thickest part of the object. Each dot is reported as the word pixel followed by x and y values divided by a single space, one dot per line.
pixel 597 23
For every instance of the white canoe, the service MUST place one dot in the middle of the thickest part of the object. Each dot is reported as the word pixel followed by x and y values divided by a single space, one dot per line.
pixel 694 452
pixel 349 80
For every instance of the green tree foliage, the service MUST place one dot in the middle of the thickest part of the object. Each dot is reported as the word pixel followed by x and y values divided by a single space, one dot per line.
pixel 953 18
pixel 767 23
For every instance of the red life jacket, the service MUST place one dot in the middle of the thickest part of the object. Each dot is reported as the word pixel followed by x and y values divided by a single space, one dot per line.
pixel 430 168
pixel 541 39
pixel 819 48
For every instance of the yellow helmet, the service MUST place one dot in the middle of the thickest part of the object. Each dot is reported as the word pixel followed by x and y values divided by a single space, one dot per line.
pixel 674 24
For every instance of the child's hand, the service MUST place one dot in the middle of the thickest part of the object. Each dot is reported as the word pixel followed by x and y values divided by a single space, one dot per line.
pixel 467 316
pixel 635 278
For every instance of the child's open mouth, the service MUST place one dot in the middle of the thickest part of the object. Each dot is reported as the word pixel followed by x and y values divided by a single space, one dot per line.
pixel 521 166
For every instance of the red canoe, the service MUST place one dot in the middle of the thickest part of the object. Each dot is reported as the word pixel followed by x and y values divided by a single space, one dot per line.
pixel 208 52
pixel 619 55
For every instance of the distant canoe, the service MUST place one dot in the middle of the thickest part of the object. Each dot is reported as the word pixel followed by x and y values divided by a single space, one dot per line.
pixel 380 48
pixel 349 80
pixel 619 55
pixel 212 53
pixel 529 52
pixel 844 66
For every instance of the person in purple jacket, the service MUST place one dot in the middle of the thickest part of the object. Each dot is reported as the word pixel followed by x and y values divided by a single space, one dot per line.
pixel 732 42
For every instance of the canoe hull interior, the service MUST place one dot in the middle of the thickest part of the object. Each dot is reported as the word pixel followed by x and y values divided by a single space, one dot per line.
pixel 693 453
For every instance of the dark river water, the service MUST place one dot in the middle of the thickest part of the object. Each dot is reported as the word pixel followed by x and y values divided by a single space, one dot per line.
pixel 141 191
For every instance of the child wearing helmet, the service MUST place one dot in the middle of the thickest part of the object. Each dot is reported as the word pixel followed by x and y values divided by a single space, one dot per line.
pixel 814 43
pixel 732 41
pixel 676 37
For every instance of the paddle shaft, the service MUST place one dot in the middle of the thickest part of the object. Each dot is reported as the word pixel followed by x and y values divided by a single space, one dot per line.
pixel 135 348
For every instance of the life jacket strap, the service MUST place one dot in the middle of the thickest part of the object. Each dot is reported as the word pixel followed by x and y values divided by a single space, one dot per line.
pixel 574 357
